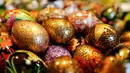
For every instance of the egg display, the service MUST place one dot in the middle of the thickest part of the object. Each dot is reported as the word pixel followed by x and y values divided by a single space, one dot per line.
pixel 59 30
pixel 125 36
pixel 22 61
pixel 50 12
pixel 88 57
pixel 54 52
pixel 82 20
pixel 11 16
pixel 103 36
pixel 65 64
pixel 30 36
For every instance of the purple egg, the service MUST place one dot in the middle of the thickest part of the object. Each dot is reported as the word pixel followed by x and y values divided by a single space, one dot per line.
pixel 55 51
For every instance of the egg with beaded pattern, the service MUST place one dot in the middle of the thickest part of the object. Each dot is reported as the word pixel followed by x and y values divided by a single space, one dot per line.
pixel 103 36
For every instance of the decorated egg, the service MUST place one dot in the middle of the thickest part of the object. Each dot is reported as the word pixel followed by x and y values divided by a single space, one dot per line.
pixel 82 20
pixel 9 17
pixel 22 61
pixel 30 36
pixel 103 36
pixel 5 50
pixel 88 57
pixel 59 30
pixel 109 15
pixel 50 12
pixel 125 36
pixel 55 51
pixel 64 64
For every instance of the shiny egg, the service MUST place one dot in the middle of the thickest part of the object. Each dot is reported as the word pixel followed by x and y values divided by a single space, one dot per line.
pixel 22 61
pixel 60 30
pixel 30 36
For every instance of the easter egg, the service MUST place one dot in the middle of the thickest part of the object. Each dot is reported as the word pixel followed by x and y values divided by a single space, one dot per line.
pixel 30 36
pixel 125 36
pixel 83 20
pixel 54 52
pixel 60 30
pixel 22 61
pixel 103 36
pixel 64 64
pixel 50 12
pixel 9 17
pixel 88 57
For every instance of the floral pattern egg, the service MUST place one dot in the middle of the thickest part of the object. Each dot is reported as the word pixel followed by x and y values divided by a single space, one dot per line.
pixel 103 36
pixel 82 20
pixel 88 57
pixel 22 61
pixel 9 17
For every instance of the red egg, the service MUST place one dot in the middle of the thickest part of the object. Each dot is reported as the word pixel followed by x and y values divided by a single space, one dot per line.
pixel 82 20
pixel 103 36
pixel 88 57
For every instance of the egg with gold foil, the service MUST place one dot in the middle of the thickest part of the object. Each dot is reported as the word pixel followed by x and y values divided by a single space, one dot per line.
pixel 88 57
pixel 9 17
pixel 30 36
pixel 64 64
pixel 22 61
pixel 60 30
pixel 50 12
pixel 103 36
pixel 82 20
pixel 125 36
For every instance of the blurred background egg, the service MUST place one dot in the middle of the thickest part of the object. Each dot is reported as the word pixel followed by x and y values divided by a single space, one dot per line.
pixel 88 57
pixel 55 51
pixel 64 64
pixel 22 61
pixel 60 30
pixel 30 36
pixel 125 36
pixel 103 36
pixel 9 17
pixel 82 20
pixel 50 12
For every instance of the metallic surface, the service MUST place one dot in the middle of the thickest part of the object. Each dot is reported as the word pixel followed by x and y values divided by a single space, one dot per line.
pixel 59 30
pixel 30 36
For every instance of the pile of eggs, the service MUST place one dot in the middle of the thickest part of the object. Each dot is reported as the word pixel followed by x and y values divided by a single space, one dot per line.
pixel 54 42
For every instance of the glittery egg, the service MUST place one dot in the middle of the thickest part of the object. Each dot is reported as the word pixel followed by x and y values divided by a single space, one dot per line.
pixel 59 30
pixel 30 36
pixel 103 36
pixel 65 64
pixel 125 36
pixel 22 61
pixel 88 57
pixel 50 12
pixel 55 51
pixel 9 17
pixel 109 15
pixel 82 20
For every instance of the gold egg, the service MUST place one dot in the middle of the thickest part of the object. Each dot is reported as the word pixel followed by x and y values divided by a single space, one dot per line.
pixel 59 30
pixel 125 36
pixel 30 36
